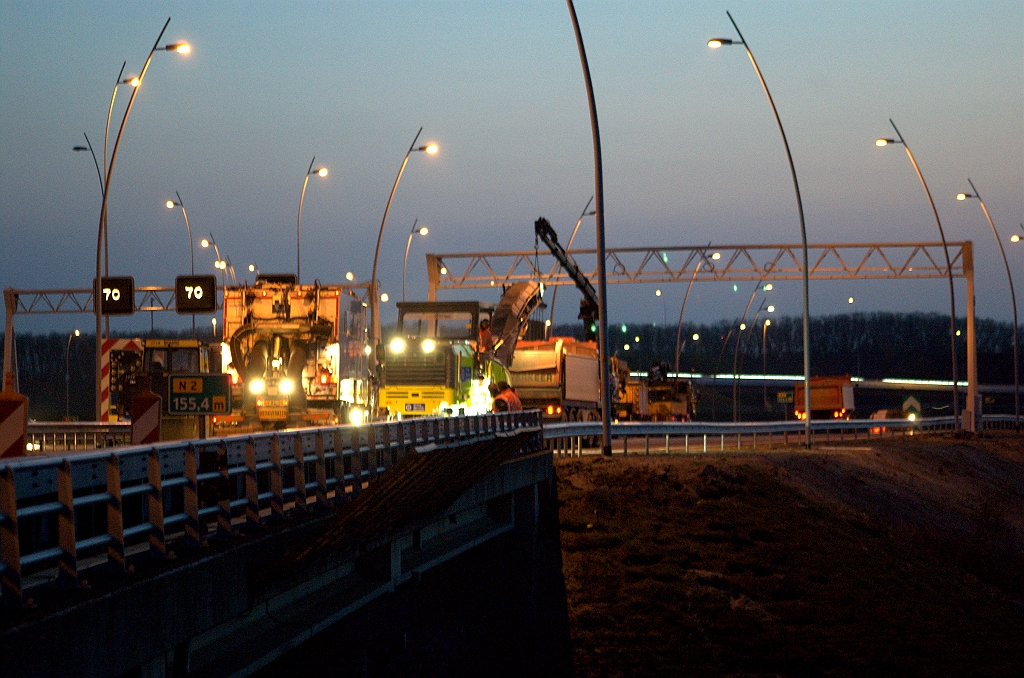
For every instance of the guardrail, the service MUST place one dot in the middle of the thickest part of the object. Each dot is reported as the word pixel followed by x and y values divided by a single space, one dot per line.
pixel 54 436
pixel 569 438
pixel 63 510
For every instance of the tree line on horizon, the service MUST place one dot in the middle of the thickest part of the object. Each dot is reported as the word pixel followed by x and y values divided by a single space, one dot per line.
pixel 869 345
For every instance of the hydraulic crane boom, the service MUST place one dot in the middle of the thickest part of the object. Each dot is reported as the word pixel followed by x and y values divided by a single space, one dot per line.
pixel 588 305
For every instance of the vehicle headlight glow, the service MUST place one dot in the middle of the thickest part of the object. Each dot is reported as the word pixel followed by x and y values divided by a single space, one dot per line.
pixel 397 345
pixel 257 386
pixel 286 386
pixel 356 415
pixel 428 345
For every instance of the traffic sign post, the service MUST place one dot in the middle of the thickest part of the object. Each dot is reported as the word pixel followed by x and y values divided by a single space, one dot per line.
pixel 198 394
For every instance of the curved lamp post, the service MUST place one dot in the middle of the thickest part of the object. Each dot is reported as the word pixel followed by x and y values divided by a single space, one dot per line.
pixel 320 172
pixel 223 264
pixel 191 248
pixel 682 309
pixel 67 376
pixel 554 293
pixel 715 43
pixel 423 230
pixel 602 278
pixel 736 354
pixel 949 268
pixel 1013 297
pixel 88 147
pixel 430 149
pixel 180 48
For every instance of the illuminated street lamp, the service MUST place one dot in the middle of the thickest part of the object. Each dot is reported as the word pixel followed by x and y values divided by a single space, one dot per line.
pixel 191 249
pixel 429 149
pixel 949 268
pixel 180 48
pixel 422 231
pixel 602 277
pixel 764 360
pixel 67 376
pixel 1013 296
pixel 715 43
pixel 320 172
pixel 736 353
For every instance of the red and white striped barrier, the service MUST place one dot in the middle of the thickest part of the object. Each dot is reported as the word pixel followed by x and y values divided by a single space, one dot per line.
pixel 13 424
pixel 146 418
pixel 108 346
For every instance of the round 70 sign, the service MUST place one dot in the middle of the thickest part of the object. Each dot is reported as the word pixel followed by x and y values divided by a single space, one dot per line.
pixel 198 394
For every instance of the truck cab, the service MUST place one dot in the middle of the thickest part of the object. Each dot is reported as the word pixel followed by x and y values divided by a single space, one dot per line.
pixel 437 360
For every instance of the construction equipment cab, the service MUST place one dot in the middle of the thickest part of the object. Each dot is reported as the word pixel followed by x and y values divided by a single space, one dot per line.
pixel 443 355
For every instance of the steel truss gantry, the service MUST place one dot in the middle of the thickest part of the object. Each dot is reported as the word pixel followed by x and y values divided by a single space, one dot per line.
pixel 721 263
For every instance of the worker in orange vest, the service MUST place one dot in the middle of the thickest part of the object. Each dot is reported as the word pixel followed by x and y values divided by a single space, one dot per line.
pixel 505 398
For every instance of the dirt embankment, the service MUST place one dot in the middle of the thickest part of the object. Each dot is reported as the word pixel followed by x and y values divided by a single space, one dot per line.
pixel 890 558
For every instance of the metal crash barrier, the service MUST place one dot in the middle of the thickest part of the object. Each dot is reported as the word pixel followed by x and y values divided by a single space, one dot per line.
pixel 571 438
pixel 62 513
pixel 60 436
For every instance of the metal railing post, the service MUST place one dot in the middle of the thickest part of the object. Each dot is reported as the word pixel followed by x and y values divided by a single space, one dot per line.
pixel 67 564
pixel 10 546
pixel 299 474
pixel 194 530
pixel 276 479
pixel 155 502
pixel 115 517
pixel 321 471
pixel 252 493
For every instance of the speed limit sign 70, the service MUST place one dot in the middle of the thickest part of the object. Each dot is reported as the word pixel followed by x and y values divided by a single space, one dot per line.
pixel 195 294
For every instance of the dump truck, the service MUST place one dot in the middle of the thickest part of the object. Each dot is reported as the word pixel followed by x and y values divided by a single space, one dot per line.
pixel 658 397
pixel 559 376
pixel 831 398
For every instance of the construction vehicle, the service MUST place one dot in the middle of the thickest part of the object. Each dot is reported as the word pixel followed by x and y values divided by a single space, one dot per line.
pixel 559 376
pixel 443 355
pixel 831 398
pixel 658 397
pixel 295 354
pixel 145 364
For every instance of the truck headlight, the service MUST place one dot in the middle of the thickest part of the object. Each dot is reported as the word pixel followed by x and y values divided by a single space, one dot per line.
pixel 286 386
pixel 356 416
pixel 257 386
pixel 428 345
pixel 397 345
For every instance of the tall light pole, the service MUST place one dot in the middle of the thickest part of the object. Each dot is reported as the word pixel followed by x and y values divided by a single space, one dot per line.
pixel 568 245
pixel 715 43
pixel 320 172
pixel 602 277
pixel 88 147
pixel 764 362
pixel 422 231
pixel 682 309
pixel 736 354
pixel 223 264
pixel 67 376
pixel 949 267
pixel 180 48
pixel 1013 298
pixel 430 149
pixel 191 248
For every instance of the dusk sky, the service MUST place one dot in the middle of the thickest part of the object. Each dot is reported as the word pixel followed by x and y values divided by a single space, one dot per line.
pixel 691 151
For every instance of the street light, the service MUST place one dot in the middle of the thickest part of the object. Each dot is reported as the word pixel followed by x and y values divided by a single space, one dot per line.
pixel 223 264
pixel 696 270
pixel 320 172
pixel 949 268
pixel 664 308
pixel 602 278
pixel 88 147
pixel 97 283
pixel 1013 296
pixel 736 353
pixel 715 43
pixel 191 249
pixel 67 376
pixel 764 359
pixel 422 231
pixel 430 149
